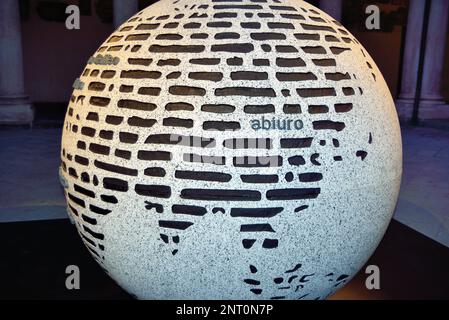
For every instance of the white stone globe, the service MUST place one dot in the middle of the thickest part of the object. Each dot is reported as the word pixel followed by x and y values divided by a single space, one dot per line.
pixel 231 150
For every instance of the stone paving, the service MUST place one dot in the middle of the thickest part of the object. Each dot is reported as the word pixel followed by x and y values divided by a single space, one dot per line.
pixel 30 189
pixel 424 198
pixel 29 182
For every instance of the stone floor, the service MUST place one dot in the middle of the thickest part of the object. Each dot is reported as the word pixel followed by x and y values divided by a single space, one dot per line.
pixel 424 198
pixel 30 188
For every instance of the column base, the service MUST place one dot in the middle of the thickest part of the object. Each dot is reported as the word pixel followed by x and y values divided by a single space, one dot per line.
pixel 432 101
pixel 434 111
pixel 404 108
pixel 16 112
pixel 427 110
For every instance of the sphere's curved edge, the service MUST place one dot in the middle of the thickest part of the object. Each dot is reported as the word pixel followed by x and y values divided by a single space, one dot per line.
pixel 243 150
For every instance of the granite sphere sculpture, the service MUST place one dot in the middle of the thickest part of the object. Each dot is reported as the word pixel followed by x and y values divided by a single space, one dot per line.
pixel 231 150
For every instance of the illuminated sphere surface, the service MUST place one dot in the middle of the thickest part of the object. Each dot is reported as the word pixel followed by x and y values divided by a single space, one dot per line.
pixel 231 150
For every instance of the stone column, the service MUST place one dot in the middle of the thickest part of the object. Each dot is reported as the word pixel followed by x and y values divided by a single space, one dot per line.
pixel 332 8
pixel 411 57
pixel 15 107
pixel 123 10
pixel 434 58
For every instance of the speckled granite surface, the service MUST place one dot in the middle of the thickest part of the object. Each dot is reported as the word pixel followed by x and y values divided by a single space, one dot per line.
pixel 228 150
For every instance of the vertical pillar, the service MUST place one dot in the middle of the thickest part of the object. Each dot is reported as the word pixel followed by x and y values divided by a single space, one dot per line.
pixel 15 107
pixel 332 8
pixel 411 58
pixel 123 10
pixel 434 57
